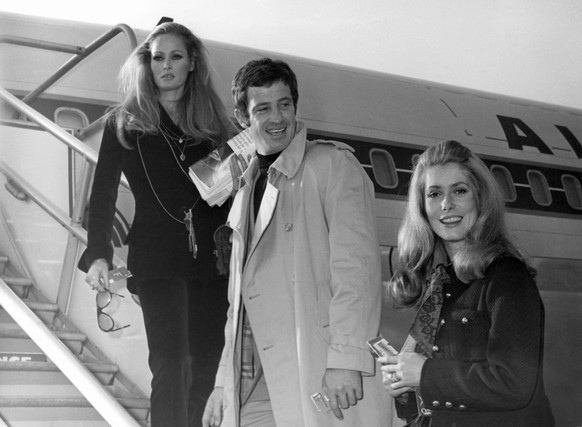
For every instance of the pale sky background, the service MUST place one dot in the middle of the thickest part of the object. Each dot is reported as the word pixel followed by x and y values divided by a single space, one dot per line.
pixel 531 49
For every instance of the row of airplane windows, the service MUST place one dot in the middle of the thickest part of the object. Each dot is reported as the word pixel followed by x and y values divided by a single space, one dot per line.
pixel 386 176
pixel 384 169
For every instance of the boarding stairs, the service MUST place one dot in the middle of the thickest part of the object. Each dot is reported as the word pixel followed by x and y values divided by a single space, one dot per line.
pixel 51 373
pixel 33 391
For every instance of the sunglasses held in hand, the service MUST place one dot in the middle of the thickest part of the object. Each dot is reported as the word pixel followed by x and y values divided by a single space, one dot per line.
pixel 103 299
pixel 104 320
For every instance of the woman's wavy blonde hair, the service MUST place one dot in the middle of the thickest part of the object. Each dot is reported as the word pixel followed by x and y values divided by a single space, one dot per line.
pixel 203 115
pixel 420 248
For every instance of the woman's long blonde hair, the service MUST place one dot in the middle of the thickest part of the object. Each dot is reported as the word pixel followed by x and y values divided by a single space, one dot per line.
pixel 203 113
pixel 419 248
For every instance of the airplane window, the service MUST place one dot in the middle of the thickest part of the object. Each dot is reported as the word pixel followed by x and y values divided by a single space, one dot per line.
pixel 384 168
pixel 505 182
pixel 539 188
pixel 573 191
pixel 71 119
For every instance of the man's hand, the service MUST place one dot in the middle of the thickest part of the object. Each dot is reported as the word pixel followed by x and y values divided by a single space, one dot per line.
pixel 343 387
pixel 213 411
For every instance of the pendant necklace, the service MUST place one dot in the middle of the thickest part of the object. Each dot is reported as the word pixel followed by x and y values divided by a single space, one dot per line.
pixel 188 216
pixel 181 142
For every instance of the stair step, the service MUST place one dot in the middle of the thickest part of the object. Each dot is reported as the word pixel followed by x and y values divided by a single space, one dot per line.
pixel 25 408
pixel 17 372
pixel 40 390
pixel 61 389
pixel 52 417
pixel 33 390
pixel 44 310
pixel 20 285
pixel 14 340
pixel 60 401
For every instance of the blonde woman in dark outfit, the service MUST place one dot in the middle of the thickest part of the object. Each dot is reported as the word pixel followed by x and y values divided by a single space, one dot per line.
pixel 479 328
pixel 169 117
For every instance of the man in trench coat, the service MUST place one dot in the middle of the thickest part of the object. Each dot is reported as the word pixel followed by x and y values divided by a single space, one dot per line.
pixel 305 288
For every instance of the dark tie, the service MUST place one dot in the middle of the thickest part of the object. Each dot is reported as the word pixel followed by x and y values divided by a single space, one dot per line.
pixel 265 161
pixel 260 186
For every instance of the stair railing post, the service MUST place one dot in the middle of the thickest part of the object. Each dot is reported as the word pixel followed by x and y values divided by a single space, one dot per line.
pixel 107 406
pixel 73 243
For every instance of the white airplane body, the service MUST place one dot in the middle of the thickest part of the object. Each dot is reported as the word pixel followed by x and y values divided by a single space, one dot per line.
pixel 533 148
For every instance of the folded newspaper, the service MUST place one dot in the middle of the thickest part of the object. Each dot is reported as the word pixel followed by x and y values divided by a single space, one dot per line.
pixel 212 175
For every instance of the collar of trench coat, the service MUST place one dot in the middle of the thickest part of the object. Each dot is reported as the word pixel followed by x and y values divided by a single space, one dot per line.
pixel 288 163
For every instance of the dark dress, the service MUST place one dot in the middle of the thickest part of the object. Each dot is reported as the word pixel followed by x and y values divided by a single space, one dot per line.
pixel 183 300
pixel 486 368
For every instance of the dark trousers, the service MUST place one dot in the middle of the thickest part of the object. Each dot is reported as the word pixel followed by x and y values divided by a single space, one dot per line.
pixel 184 322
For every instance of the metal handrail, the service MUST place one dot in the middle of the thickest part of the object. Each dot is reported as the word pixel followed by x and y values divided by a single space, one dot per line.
pixel 80 54
pixel 85 382
pixel 98 396
pixel 91 128
pixel 44 203
pixel 77 234
pixel 42 44
pixel 59 354
pixel 48 125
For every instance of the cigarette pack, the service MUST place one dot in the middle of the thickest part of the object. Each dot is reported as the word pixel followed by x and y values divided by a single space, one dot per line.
pixel 321 402
pixel 380 347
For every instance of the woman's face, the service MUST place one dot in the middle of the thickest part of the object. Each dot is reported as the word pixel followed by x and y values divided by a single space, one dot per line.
pixel 170 65
pixel 450 204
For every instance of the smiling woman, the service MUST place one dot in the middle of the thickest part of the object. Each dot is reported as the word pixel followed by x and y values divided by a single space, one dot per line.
pixel 475 350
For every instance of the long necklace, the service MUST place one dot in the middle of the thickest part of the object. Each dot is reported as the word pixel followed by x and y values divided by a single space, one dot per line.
pixel 192 246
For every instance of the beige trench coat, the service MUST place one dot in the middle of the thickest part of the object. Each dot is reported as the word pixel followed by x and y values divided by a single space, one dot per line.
pixel 310 284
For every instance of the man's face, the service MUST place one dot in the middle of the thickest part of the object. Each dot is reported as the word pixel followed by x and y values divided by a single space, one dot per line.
pixel 271 117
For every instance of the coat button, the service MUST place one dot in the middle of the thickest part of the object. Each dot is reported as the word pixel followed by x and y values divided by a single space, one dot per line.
pixel 435 348
pixel 288 227
pixel 448 295
pixel 448 404
pixel 462 407
pixel 464 320
pixel 443 321
pixel 436 403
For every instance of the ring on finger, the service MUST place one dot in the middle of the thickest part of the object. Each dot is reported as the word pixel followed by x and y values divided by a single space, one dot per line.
pixel 393 377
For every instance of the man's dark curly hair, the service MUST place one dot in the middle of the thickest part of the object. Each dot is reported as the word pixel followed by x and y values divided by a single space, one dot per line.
pixel 259 73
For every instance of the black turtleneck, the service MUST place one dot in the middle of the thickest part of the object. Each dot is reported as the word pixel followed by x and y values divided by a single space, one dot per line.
pixel 265 161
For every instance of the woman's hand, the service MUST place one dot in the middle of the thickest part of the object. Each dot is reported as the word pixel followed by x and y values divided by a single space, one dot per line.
pixel 98 275
pixel 401 373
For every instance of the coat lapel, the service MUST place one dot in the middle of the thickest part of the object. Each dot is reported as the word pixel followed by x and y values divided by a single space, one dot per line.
pixel 238 221
pixel 265 215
